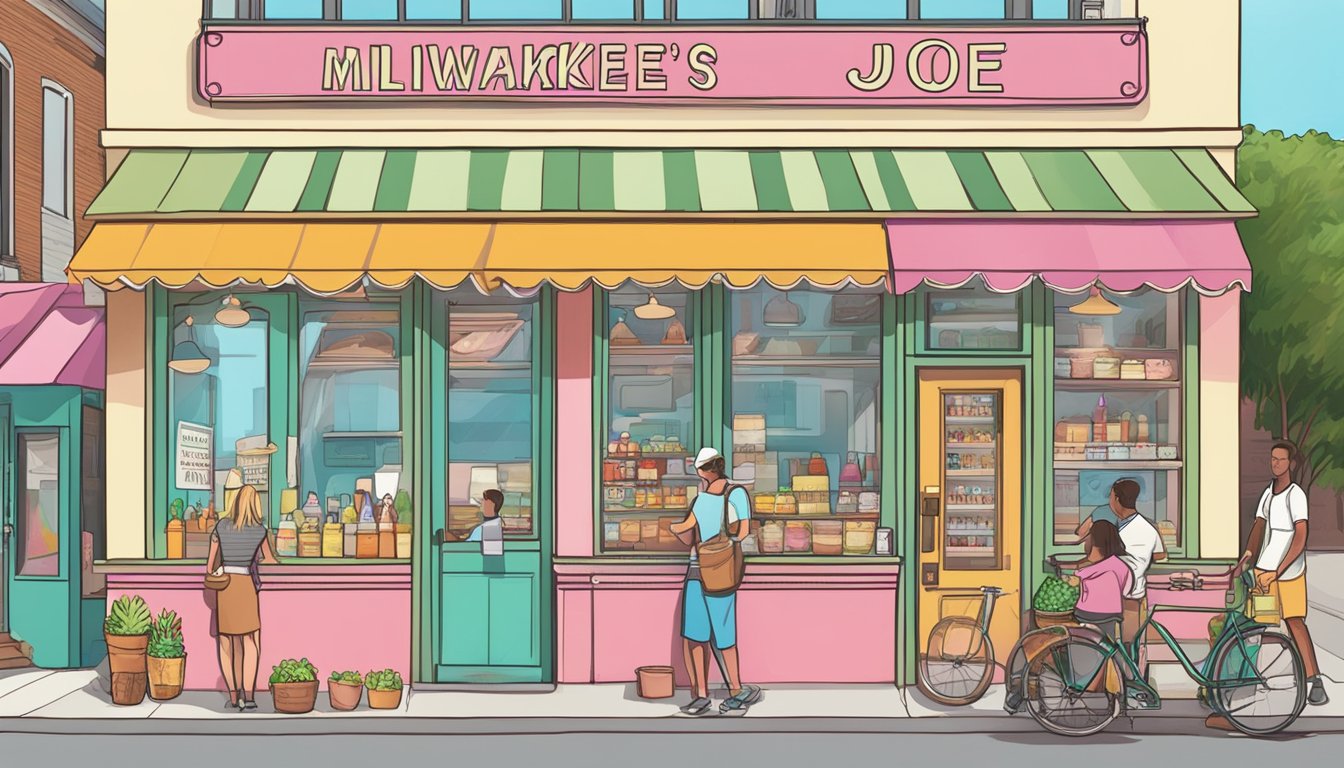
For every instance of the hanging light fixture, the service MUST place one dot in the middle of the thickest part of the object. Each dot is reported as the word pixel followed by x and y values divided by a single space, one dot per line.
pixel 1095 304
pixel 187 356
pixel 231 313
pixel 654 311
pixel 781 312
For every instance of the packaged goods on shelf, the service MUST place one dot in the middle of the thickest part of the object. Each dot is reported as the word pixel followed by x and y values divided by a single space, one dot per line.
pixel 786 503
pixel 764 503
pixel 1132 370
pixel 1118 453
pixel 828 537
pixel 869 501
pixel 1143 452
pixel 1106 368
pixel 771 537
pixel 1157 369
pixel 1063 367
pixel 1081 367
pixel 665 535
pixel 811 483
pixel 847 503
pixel 516 524
pixel 814 508
pixel 1113 432
pixel 797 536
pixel 648 531
pixel 1166 453
pixel 611 532
pixel 1091 335
pixel 1095 453
pixel 630 531
pixel 748 421
pixel 859 536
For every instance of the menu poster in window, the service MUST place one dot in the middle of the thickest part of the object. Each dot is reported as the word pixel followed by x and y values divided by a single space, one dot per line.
pixel 195 456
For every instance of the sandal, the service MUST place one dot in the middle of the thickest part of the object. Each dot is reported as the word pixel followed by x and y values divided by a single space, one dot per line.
pixel 750 694
pixel 697 707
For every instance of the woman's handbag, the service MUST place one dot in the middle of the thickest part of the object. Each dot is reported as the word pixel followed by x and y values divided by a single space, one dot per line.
pixel 217 581
pixel 721 564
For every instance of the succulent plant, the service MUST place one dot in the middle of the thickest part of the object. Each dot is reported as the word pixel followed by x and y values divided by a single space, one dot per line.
pixel 165 636
pixel 292 671
pixel 386 680
pixel 348 677
pixel 128 616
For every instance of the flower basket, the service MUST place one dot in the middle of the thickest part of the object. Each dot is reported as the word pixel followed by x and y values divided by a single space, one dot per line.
pixel 1054 618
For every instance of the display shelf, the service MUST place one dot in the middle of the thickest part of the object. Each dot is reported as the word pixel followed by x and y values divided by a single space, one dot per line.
pixel 980 319
pixel 487 365
pixel 654 456
pixel 970 420
pixel 855 516
pixel 354 364
pixel 969 551
pixel 1117 464
pixel 971 473
pixel 649 483
pixel 991 444
pixel 819 361
pixel 971 507
pixel 363 434
pixel 986 532
pixel 1089 385
pixel 618 511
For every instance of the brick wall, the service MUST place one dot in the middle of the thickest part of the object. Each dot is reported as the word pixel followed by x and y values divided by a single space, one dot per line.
pixel 42 48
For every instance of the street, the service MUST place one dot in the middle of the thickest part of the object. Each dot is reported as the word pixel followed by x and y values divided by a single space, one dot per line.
pixel 654 751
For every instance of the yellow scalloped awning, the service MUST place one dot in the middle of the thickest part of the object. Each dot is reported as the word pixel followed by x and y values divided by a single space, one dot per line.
pixel 330 257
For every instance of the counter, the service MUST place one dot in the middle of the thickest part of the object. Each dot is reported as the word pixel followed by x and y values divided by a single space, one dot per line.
pixel 306 610
pixel 800 620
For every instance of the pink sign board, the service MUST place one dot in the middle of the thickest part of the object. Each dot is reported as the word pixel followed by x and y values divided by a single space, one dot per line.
pixel 817 65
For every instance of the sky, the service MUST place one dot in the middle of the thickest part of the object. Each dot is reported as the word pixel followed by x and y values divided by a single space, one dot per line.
pixel 1292 77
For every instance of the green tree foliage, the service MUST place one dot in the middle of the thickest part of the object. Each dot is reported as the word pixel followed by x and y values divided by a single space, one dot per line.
pixel 1292 322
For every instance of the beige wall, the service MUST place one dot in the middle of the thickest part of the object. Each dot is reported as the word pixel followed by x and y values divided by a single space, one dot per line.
pixel 1219 425
pixel 127 452
pixel 1192 102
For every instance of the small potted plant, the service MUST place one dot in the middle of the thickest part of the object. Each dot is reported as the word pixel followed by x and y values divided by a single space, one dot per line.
pixel 166 656
pixel 126 630
pixel 344 690
pixel 294 686
pixel 384 689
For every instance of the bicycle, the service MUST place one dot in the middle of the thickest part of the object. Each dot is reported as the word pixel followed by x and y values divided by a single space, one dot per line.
pixel 957 666
pixel 1075 680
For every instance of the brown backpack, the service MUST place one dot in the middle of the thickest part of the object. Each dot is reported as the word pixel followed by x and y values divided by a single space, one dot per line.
pixel 721 564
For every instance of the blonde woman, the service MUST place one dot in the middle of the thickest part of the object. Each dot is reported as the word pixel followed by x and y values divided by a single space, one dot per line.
pixel 234 547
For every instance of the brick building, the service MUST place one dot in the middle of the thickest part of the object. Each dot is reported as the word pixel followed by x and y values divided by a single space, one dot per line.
pixel 51 112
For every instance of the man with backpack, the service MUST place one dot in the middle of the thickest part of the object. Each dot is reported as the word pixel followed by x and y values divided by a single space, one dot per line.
pixel 1278 547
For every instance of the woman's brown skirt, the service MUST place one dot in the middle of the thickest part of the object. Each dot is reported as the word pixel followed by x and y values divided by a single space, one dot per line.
pixel 237 612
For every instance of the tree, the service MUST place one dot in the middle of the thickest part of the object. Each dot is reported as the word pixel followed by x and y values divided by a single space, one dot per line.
pixel 1292 323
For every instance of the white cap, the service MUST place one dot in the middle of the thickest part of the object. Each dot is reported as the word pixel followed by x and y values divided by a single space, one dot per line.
pixel 705 456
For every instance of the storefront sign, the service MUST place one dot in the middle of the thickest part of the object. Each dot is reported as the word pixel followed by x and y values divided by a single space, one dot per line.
pixel 898 66
pixel 195 456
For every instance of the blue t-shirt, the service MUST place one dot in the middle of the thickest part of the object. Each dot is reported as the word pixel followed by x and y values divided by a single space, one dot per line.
pixel 708 511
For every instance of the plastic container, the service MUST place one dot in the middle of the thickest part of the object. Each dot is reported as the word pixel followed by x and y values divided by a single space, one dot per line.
pixel 287 538
pixel 366 541
pixel 655 682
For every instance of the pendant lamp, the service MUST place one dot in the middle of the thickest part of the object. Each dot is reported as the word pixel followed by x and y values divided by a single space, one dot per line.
pixel 1095 304
pixel 654 310
pixel 187 356
pixel 780 312
pixel 231 313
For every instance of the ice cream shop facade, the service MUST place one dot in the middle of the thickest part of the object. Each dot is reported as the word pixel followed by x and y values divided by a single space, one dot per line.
pixel 930 288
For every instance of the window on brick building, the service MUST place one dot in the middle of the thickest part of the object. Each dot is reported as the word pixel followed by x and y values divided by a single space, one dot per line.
pixel 57 111
pixel 6 158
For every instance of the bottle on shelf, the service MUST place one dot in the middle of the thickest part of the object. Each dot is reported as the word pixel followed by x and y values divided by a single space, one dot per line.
pixel 176 532
pixel 1099 413
pixel 287 537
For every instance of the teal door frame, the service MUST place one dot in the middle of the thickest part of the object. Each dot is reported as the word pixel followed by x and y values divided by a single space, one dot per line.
pixel 483 620
pixel 6 515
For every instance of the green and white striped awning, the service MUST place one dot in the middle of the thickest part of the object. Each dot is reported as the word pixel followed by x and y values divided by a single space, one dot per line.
pixel 536 183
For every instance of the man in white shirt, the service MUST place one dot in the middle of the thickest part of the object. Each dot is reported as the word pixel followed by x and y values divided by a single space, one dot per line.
pixel 1279 536
pixel 1143 545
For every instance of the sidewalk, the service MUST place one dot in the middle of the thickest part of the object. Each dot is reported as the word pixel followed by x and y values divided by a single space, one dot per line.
pixel 44 701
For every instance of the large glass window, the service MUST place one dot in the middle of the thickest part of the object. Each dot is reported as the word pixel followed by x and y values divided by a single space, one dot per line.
pixel 38 531
pixel 56 150
pixel 6 156
pixel 1118 401
pixel 648 482
pixel 519 10
pixel 806 415
pixel 292 9
pixel 218 417
pixel 973 318
pixel 492 410
pixel 369 10
pixel 350 438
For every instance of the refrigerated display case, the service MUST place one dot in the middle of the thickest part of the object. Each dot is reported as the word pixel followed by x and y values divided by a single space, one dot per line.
pixel 972 440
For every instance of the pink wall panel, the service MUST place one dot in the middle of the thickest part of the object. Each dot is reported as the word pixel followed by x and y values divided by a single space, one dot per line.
pixel 574 424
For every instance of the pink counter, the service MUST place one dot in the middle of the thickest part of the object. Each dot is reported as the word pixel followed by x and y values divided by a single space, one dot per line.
pixel 796 623
pixel 339 616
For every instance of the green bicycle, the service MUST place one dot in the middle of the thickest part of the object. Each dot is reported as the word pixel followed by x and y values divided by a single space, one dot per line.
pixel 1075 680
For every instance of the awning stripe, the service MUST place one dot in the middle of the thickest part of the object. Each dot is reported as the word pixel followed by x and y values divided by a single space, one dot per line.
pixel 873 182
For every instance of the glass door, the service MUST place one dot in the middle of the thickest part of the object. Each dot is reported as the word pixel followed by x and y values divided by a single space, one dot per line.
pixel 971 448
pixel 6 519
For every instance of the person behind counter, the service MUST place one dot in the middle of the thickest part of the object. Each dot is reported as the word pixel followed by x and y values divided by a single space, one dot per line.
pixel 491 527
pixel 707 618
pixel 234 548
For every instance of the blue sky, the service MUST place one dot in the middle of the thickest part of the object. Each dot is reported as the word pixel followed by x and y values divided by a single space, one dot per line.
pixel 1292 77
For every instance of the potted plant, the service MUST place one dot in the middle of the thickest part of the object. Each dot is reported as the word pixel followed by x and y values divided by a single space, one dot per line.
pixel 384 689
pixel 126 630
pixel 166 656
pixel 294 686
pixel 344 690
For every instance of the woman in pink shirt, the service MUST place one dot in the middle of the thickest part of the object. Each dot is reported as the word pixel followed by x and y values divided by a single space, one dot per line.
pixel 1104 581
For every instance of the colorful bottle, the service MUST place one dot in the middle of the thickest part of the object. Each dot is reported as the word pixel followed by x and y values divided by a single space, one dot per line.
pixel 287 538
pixel 333 544
pixel 1099 415
pixel 176 533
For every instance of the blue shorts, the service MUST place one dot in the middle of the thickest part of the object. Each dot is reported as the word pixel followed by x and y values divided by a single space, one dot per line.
pixel 703 616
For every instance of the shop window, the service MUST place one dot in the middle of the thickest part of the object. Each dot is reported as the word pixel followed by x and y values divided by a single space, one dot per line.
pixel 515 10
pixel 845 10
pixel 973 318
pixel 369 10
pixel 1050 9
pixel 6 159
pixel 603 10
pixel 56 121
pixel 423 10
pixel 1118 406
pixel 961 9
pixel 350 437
pixel 92 501
pixel 805 402
pixel 492 410
pixel 648 481
pixel 38 529
pixel 218 417
pixel 292 9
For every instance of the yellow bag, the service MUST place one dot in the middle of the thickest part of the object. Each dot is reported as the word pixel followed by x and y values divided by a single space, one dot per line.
pixel 1264 609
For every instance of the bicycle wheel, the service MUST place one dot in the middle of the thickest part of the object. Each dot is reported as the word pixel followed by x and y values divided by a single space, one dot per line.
pixel 958 665
pixel 1260 685
pixel 1067 688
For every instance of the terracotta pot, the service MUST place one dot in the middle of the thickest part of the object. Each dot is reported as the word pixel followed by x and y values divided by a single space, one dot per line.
pixel 294 698
pixel 344 696
pixel 165 677
pixel 655 682
pixel 384 699
pixel 126 658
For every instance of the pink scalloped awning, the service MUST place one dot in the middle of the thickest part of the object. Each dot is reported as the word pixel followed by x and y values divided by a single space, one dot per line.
pixel 48 336
pixel 1069 255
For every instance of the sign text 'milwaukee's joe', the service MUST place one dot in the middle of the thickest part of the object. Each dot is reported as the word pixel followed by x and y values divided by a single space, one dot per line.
pixel 812 66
